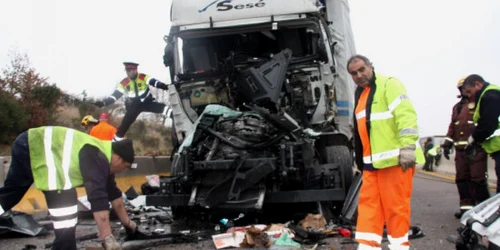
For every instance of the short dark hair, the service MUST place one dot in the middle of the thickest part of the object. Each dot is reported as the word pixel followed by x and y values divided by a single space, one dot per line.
pixel 358 57
pixel 470 80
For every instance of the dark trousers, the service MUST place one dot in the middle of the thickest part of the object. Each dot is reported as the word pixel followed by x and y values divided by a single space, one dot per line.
pixel 133 110
pixel 496 156
pixel 429 161
pixel 19 180
pixel 471 178
pixel 63 208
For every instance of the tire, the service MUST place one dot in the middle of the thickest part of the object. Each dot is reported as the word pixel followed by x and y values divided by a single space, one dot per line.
pixel 343 156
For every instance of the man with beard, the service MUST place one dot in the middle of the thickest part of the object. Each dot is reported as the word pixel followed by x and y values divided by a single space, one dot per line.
pixel 387 149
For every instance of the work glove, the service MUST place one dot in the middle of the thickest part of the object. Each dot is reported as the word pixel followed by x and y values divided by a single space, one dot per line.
pixel 110 243
pixel 446 153
pixel 99 104
pixel 407 157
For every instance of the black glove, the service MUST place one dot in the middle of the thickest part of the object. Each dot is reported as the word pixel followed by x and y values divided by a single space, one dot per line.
pixel 161 85
pixel 446 153
pixel 99 104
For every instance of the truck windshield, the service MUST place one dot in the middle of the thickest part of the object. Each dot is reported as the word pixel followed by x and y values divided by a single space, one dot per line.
pixel 208 53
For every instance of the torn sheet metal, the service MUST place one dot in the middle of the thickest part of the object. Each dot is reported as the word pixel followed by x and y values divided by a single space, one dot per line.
pixel 22 223
pixel 484 219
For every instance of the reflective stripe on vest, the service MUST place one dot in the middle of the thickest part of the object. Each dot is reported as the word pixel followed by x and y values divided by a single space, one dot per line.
pixel 492 143
pixel 393 124
pixel 54 156
pixel 496 133
pixel 432 152
pixel 49 159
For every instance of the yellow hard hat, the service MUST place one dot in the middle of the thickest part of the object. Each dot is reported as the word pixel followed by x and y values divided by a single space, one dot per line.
pixel 461 82
pixel 88 119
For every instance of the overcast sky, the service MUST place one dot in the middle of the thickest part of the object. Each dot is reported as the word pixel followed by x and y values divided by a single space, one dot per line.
pixel 427 44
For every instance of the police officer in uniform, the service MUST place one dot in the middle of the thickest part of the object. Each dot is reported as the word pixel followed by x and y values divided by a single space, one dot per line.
pixel 470 169
pixel 59 159
pixel 136 87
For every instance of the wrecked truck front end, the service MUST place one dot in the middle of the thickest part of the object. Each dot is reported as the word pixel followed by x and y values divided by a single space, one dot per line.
pixel 255 114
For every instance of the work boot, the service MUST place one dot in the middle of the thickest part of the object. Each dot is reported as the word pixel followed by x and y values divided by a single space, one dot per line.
pixel 459 214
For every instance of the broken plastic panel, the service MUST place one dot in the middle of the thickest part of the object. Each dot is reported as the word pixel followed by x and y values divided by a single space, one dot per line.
pixel 16 222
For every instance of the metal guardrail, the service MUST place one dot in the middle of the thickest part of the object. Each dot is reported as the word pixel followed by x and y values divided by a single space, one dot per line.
pixel 145 165
pixel 34 201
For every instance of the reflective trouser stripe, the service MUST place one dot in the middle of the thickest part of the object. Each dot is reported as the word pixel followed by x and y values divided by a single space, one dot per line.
pixel 466 207
pixel 362 246
pixel 1 210
pixel 63 211
pixel 64 217
pixel 65 223
pixel 373 237
pixel 383 201
pixel 142 99
pixel 63 207
pixel 398 243
pixel 398 247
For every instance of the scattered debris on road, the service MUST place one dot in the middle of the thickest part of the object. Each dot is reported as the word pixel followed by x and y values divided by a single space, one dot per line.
pixel 17 222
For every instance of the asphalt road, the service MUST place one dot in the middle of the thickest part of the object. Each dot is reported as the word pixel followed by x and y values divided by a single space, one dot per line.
pixel 434 201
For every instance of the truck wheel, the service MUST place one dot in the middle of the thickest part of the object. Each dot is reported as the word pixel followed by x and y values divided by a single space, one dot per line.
pixel 343 156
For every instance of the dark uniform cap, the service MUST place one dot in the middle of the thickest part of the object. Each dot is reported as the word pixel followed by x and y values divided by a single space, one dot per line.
pixel 130 65
pixel 125 149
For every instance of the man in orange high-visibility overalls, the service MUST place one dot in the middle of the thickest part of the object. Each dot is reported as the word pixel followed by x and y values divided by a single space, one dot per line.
pixel 386 144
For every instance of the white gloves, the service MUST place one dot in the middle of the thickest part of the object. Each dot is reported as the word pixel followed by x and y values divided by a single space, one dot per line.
pixel 110 243
pixel 407 157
